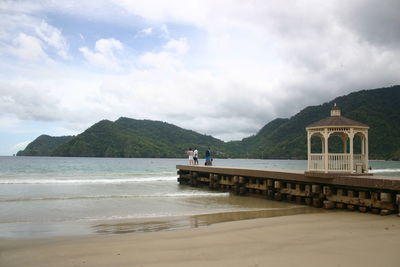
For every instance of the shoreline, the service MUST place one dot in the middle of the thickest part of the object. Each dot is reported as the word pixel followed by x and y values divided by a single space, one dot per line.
pixel 83 228
pixel 337 238
pixel 178 223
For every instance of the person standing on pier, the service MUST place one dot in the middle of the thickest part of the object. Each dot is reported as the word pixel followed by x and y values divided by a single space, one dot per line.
pixel 196 156
pixel 190 155
pixel 208 157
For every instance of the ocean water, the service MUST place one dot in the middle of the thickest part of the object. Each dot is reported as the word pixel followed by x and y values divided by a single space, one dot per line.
pixel 50 196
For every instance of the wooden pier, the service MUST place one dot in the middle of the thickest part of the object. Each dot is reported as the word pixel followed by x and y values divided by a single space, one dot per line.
pixel 364 193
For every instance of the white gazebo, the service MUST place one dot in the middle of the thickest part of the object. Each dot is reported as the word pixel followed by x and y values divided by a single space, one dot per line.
pixel 347 130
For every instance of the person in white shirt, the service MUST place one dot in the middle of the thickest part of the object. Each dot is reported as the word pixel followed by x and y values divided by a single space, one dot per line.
pixel 190 154
pixel 196 156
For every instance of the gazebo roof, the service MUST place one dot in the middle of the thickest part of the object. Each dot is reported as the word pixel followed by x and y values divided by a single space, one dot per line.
pixel 336 121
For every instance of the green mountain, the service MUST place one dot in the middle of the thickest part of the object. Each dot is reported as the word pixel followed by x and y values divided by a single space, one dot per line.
pixel 280 138
pixel 44 145
pixel 378 108
pixel 135 138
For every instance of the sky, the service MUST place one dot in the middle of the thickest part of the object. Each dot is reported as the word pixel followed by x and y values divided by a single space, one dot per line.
pixel 223 68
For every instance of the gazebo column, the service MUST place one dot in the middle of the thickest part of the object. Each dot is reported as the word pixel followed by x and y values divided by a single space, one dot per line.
pixel 362 145
pixel 344 140
pixel 309 149
pixel 351 137
pixel 366 152
pixel 326 150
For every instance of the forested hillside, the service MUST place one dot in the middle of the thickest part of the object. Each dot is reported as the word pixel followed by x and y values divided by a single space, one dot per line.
pixel 136 138
pixel 44 145
pixel 378 108
pixel 280 138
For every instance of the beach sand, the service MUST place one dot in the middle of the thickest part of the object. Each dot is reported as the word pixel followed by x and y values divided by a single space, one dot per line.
pixel 337 238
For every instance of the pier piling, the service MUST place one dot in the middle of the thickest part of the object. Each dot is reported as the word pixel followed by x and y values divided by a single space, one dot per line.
pixel 378 195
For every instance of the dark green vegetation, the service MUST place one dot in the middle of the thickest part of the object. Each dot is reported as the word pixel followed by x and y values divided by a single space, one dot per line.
pixel 378 108
pixel 135 138
pixel 44 145
pixel 280 138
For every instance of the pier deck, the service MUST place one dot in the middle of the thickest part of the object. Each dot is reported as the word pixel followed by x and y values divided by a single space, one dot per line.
pixel 376 194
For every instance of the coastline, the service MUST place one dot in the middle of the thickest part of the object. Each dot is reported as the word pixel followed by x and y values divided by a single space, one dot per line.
pixel 41 230
pixel 337 238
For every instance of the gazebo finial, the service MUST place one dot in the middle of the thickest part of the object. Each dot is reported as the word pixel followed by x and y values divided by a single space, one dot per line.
pixel 335 111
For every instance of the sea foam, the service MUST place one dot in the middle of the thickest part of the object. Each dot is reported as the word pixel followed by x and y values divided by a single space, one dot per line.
pixel 155 195
pixel 384 171
pixel 61 180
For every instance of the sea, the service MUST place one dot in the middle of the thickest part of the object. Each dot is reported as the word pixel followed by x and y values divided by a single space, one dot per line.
pixel 67 196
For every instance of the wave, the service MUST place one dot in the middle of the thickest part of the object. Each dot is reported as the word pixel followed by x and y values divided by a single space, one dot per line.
pixel 176 195
pixel 384 170
pixel 87 181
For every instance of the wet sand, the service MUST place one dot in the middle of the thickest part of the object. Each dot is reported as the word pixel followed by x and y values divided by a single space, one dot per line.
pixel 337 238
pixel 195 221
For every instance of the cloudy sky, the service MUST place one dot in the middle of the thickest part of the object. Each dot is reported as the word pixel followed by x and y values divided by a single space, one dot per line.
pixel 223 68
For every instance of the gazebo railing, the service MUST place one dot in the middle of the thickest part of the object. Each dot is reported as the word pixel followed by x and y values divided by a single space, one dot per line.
pixel 339 162
pixel 316 162
pixel 358 158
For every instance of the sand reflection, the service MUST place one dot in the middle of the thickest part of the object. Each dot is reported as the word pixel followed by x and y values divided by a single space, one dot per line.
pixel 173 223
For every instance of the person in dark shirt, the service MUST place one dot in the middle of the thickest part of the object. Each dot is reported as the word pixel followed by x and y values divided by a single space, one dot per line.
pixel 208 157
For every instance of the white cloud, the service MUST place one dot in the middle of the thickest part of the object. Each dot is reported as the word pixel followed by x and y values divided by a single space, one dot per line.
pixel 169 57
pixel 28 100
pixel 179 47
pixel 29 37
pixel 172 10
pixel 28 47
pixel 108 46
pixel 147 31
pixel 161 60
pixel 104 54
pixel 53 37
pixel 165 31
